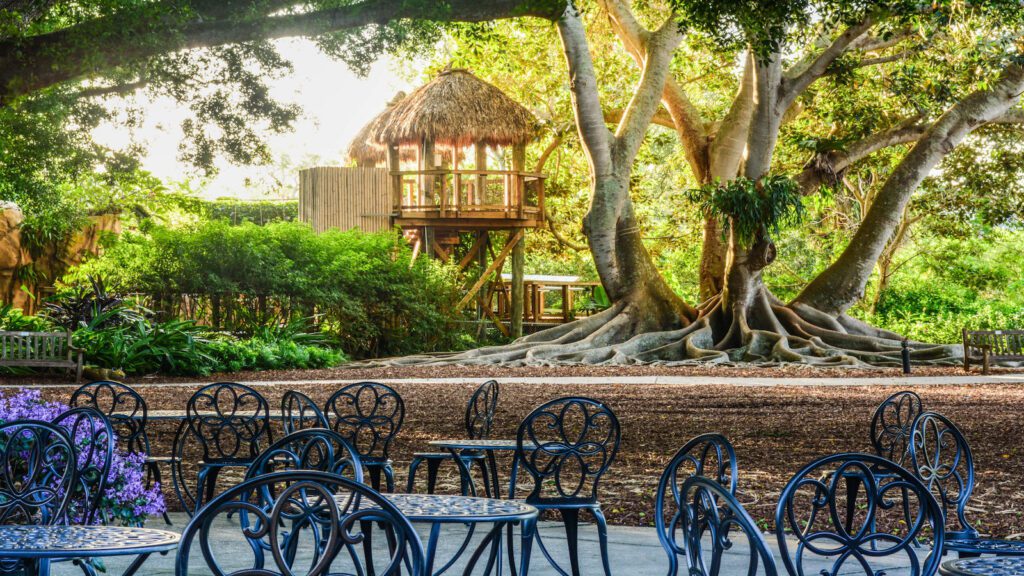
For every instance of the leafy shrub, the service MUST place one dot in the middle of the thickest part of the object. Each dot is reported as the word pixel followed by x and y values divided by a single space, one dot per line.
pixel 183 347
pixel 259 212
pixel 81 306
pixel 13 319
pixel 363 288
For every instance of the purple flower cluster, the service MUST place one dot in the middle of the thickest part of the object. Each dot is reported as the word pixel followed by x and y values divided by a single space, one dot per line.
pixel 126 501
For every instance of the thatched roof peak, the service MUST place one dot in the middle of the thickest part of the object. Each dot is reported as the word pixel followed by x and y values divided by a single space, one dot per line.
pixel 364 150
pixel 456 109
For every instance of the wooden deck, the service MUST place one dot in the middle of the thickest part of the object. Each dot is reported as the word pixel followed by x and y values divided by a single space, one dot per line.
pixel 468 199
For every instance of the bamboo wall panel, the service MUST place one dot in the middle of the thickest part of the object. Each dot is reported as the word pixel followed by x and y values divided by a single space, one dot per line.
pixel 345 198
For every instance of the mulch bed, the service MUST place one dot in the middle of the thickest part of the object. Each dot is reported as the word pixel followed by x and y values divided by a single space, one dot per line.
pixel 361 371
pixel 775 429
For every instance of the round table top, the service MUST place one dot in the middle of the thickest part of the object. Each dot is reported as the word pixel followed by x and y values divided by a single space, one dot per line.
pixel 984 566
pixel 436 508
pixel 28 541
pixel 466 444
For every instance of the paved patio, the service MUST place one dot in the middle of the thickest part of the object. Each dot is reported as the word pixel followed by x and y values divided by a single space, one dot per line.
pixel 634 552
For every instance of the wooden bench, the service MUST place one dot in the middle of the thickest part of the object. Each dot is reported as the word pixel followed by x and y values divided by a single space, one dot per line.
pixel 986 346
pixel 40 350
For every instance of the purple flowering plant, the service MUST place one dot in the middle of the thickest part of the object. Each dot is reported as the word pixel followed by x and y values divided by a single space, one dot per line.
pixel 126 500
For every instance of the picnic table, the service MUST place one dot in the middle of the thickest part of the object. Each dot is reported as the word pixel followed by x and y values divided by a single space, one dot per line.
pixel 40 545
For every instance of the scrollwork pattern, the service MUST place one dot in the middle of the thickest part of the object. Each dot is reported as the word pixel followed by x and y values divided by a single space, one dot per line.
pixel 368 415
pixel 892 423
pixel 37 472
pixel 574 442
pixel 306 522
pixel 893 510
pixel 229 420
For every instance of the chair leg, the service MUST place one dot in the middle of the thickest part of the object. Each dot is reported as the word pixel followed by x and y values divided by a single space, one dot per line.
pixel 411 483
pixel 389 478
pixel 602 537
pixel 571 519
pixel 374 473
pixel 433 466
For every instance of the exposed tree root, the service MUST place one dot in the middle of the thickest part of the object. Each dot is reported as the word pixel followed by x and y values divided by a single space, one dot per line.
pixel 769 332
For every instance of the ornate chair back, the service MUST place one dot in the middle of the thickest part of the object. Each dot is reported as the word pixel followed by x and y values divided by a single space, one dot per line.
pixel 891 425
pixel 303 522
pixel 123 406
pixel 94 441
pixel 894 509
pixel 941 458
pixel 317 449
pixel 299 412
pixel 709 456
pixel 368 415
pixel 713 522
pixel 480 410
pixel 566 445
pixel 229 420
pixel 38 472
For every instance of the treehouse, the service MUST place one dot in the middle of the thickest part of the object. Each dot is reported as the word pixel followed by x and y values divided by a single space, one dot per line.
pixel 447 165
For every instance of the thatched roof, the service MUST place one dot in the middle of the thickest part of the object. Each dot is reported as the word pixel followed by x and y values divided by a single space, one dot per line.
pixel 456 109
pixel 364 150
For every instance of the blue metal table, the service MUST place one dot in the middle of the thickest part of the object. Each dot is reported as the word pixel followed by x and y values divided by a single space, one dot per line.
pixel 489 448
pixel 984 566
pixel 438 510
pixel 39 545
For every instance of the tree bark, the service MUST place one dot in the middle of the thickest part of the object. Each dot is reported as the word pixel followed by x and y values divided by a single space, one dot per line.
pixel 623 263
pixel 842 283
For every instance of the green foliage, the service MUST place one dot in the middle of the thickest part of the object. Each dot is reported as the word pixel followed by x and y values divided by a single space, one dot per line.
pixel 749 208
pixel 185 348
pixel 947 284
pixel 259 212
pixel 363 288
pixel 13 319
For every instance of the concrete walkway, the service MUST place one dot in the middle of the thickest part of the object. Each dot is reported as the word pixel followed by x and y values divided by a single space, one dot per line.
pixel 634 552
pixel 660 380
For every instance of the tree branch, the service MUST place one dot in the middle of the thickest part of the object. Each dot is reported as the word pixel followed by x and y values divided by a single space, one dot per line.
pixel 797 80
pixel 825 167
pixel 661 118
pixel 36 62
pixel 647 98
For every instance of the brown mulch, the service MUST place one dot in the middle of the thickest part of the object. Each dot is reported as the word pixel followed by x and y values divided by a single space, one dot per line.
pixel 358 371
pixel 775 430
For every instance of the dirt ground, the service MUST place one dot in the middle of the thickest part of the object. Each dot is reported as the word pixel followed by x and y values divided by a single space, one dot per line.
pixel 775 429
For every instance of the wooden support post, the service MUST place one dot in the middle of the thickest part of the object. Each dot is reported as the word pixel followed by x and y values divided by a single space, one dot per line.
pixel 566 303
pixel 498 262
pixel 477 245
pixel 518 182
pixel 394 166
pixel 518 263
pixel 481 179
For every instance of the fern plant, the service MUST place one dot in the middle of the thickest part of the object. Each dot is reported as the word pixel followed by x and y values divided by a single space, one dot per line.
pixel 749 208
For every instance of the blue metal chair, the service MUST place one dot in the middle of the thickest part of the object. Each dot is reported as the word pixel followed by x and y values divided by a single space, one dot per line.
pixel 129 415
pixel 227 422
pixel 811 509
pixel 316 449
pixel 40 472
pixel 299 412
pixel 941 457
pixel 368 415
pixel 479 419
pixel 708 456
pixel 309 522
pixel 566 446
pixel 712 523
pixel 892 423
pixel 38 460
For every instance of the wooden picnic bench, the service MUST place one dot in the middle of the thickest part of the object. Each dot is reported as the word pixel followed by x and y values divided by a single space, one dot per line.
pixel 40 350
pixel 986 346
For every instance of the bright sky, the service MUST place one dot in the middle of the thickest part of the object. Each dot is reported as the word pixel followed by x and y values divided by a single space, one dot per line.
pixel 336 104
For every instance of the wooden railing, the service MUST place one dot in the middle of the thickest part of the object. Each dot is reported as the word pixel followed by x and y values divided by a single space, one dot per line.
pixel 444 193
